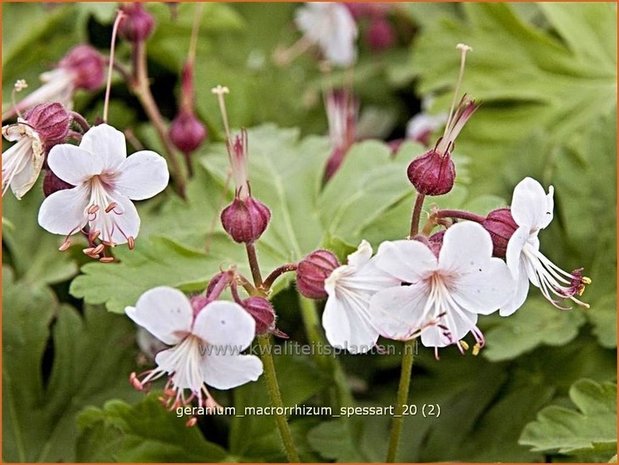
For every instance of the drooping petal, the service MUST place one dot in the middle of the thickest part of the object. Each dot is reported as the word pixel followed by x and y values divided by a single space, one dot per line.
pixel 484 290
pixel 409 261
pixel 119 223
pixel 398 312
pixel 23 180
pixel 64 212
pixel 142 175
pixel 466 248
pixel 361 256
pixel 165 312
pixel 225 371
pixel 515 246
pixel 347 326
pixel 531 206
pixel 225 324
pixel 520 294
pixel 107 143
pixel 73 164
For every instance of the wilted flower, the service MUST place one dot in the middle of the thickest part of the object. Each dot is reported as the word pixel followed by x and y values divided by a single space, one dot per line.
pixel 346 318
pixel 40 129
pixel 532 211
pixel 82 68
pixel 450 290
pixel 206 345
pixel 105 180
pixel 332 27
pixel 342 109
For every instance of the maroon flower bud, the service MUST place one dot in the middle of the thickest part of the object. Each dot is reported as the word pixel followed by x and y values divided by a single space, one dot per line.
pixel 245 220
pixel 137 24
pixel 380 35
pixel 87 65
pixel 262 312
pixel 432 173
pixel 436 242
pixel 501 226
pixel 52 183
pixel 187 132
pixel 312 272
pixel 51 122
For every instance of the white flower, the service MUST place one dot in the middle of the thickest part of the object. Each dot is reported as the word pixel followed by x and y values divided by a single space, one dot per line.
pixel 332 27
pixel 105 180
pixel 532 210
pixel 441 297
pixel 205 347
pixel 346 318
pixel 22 163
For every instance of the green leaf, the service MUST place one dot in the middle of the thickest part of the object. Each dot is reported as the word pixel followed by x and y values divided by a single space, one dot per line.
pixel 592 427
pixel 33 251
pixel 144 432
pixel 536 323
pixel 252 435
pixel 336 440
pixel 525 77
pixel 92 356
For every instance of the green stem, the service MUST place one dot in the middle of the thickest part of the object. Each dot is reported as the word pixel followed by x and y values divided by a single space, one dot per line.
pixel 276 397
pixel 340 392
pixel 416 215
pixel 402 399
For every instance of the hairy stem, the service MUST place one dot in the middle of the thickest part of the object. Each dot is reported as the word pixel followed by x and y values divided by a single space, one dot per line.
pixel 254 266
pixel 461 214
pixel 416 215
pixel 401 400
pixel 276 273
pixel 276 398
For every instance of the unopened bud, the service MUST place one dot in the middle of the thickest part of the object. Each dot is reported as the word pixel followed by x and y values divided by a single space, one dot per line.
pixel 50 121
pixel 137 24
pixel 436 242
pixel 312 272
pixel 88 66
pixel 52 183
pixel 380 35
pixel 501 226
pixel 432 173
pixel 262 312
pixel 245 220
pixel 187 132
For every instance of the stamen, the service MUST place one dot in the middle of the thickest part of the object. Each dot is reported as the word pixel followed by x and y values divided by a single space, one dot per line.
pixel 20 85
pixel 463 51
pixel 93 209
pixel 111 207
pixel 191 422
pixel 476 349
pixel 131 242
pixel 93 235
pixel 106 259
pixel 65 245
pixel 106 102
pixel 135 382
pixel 463 344
pixel 220 91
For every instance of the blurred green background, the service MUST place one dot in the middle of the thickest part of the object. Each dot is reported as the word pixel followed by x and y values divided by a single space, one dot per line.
pixel 544 389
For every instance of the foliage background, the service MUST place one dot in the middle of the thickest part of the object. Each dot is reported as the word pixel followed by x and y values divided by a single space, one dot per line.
pixel 544 389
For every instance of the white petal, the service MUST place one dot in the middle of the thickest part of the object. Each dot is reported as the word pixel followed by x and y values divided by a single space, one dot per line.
pixel 64 212
pixel 531 206
pixel 361 256
pixel 225 324
pixel 484 290
pixel 164 312
pixel 107 143
pixel 466 247
pixel 409 261
pixel 142 175
pixel 398 312
pixel 347 325
pixel 224 371
pixel 24 180
pixel 514 252
pixel 519 296
pixel 118 224
pixel 73 164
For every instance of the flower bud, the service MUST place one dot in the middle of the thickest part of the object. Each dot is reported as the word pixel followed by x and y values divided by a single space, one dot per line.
pixel 262 312
pixel 137 24
pixel 52 183
pixel 51 122
pixel 432 173
pixel 87 65
pixel 312 272
pixel 187 132
pixel 245 220
pixel 501 226
pixel 380 35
